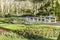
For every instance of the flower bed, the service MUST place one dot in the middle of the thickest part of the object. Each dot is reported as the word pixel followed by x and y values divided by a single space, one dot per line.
pixel 32 32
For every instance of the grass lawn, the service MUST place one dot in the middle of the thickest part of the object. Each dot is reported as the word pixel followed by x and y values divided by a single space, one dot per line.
pixel 22 26
pixel 13 26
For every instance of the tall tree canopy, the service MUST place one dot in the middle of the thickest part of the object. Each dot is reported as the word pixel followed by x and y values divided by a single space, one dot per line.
pixel 35 7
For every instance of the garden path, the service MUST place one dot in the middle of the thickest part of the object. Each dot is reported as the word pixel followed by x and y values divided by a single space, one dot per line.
pixel 54 24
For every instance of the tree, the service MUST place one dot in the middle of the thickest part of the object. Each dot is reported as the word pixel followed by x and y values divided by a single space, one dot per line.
pixel 57 10
pixel 45 8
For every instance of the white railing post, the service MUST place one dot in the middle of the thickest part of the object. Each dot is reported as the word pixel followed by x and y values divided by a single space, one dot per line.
pixel 55 19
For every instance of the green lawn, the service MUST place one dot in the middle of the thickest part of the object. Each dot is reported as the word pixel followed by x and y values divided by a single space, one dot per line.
pixel 12 26
pixel 22 26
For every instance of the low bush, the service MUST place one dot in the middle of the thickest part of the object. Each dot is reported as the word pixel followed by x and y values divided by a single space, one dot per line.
pixel 33 32
pixel 30 32
pixel 11 20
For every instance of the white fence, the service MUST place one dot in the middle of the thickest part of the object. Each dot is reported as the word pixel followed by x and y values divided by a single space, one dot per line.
pixel 43 19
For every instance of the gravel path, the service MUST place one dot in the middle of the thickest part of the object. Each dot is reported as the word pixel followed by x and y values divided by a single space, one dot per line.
pixel 55 24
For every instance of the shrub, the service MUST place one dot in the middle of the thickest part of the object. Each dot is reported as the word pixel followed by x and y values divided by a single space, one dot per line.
pixel 30 32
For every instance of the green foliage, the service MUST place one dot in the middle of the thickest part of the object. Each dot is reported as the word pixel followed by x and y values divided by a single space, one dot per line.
pixel 47 7
pixel 36 32
pixel 35 1
pixel 57 10
pixel 2 37
pixel 58 37
pixel 12 20
pixel 31 32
